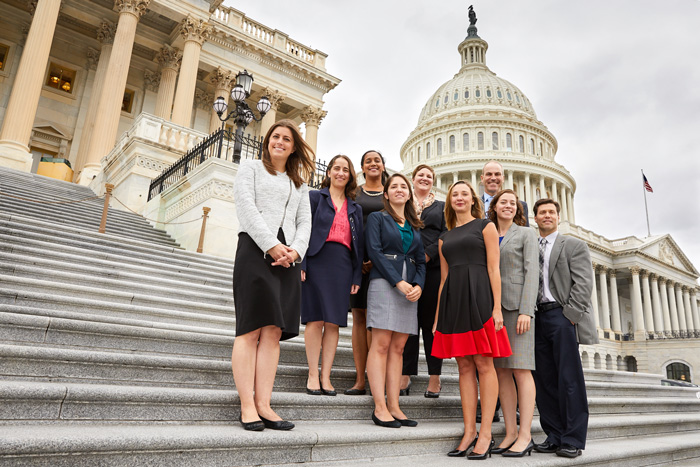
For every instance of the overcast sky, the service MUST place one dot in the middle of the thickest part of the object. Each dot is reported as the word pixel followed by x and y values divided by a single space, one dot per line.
pixel 617 83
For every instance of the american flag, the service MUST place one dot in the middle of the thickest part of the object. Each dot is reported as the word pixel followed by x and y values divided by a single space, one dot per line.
pixel 646 184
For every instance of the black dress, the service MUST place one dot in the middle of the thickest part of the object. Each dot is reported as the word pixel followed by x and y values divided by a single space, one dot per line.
pixel 369 205
pixel 465 324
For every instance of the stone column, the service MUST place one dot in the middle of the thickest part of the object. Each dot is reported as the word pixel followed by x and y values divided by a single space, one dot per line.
pixel 223 81
pixel 455 177
pixel 656 307
pixel 509 179
pixel 151 84
pixel 604 300
pixel 276 98
pixel 564 204
pixel 105 34
pixel 668 327
pixel 169 59
pixel 528 193
pixel 555 196
pixel 110 102
pixel 312 117
pixel 682 323
pixel 543 190
pixel 646 302
pixel 473 181
pixel 195 32
pixel 694 309
pixel 673 311
pixel 637 312
pixel 692 327
pixel 615 303
pixel 594 301
pixel 24 98
pixel 570 205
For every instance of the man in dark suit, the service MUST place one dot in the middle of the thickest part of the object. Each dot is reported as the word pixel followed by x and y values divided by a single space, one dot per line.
pixel 563 320
pixel 492 179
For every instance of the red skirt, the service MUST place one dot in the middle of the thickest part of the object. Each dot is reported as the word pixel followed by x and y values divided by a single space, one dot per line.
pixel 486 341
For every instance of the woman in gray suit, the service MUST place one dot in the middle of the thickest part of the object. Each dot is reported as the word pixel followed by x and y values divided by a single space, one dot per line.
pixel 519 267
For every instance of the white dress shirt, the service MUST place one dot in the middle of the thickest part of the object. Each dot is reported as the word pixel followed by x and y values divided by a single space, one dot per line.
pixel 487 202
pixel 547 294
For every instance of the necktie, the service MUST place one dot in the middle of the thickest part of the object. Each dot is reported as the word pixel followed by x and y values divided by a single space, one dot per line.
pixel 540 290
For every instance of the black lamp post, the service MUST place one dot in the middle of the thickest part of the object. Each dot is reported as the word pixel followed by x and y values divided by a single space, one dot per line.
pixel 242 115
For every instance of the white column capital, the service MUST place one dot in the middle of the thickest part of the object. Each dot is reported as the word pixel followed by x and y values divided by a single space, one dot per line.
pixel 635 270
pixel 169 57
pixel 195 30
pixel 313 115
pixel 274 96
pixel 134 7
pixel 105 32
pixel 223 80
pixel 93 57
pixel 203 100
pixel 151 80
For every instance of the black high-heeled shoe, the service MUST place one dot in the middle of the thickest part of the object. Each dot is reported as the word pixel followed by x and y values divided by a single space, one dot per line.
pixel 328 392
pixel 480 457
pixel 458 453
pixel 406 391
pixel 527 450
pixel 502 450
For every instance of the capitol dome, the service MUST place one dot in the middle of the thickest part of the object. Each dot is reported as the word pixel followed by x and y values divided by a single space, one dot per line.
pixel 476 117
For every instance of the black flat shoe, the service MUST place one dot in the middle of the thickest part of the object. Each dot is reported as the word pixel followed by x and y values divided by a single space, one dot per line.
pixel 406 391
pixel 278 424
pixel 431 395
pixel 546 448
pixel 257 425
pixel 473 456
pixel 527 450
pixel 566 450
pixel 406 422
pixel 392 424
pixel 458 453
pixel 355 392
pixel 313 392
pixel 331 392
pixel 502 450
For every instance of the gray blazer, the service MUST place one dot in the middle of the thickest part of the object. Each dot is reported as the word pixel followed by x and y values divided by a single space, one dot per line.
pixel 519 270
pixel 571 284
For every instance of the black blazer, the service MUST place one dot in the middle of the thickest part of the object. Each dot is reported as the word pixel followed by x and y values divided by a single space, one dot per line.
pixel 385 249
pixel 322 215
pixel 433 218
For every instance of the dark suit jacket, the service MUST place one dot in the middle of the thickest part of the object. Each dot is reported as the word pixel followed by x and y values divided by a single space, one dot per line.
pixel 322 215
pixel 523 204
pixel 571 283
pixel 433 218
pixel 385 249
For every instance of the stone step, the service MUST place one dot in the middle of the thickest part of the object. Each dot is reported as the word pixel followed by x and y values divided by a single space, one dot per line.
pixel 15 177
pixel 315 443
pixel 154 297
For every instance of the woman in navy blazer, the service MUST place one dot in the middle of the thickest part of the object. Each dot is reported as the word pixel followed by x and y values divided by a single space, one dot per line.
pixel 331 270
pixel 396 282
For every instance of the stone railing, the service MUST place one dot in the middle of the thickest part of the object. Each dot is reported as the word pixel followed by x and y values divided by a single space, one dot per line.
pixel 272 37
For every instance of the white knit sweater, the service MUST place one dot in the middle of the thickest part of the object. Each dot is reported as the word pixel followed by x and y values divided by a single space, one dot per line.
pixel 260 206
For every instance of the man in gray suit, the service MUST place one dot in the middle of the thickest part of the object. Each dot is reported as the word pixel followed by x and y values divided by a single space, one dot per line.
pixel 563 321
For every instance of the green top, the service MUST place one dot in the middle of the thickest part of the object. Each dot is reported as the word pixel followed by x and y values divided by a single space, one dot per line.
pixel 406 236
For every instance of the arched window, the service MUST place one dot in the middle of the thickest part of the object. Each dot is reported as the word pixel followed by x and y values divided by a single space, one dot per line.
pixel 499 93
pixel 488 92
pixel 477 93
pixel 447 98
pixel 439 147
pixel 465 142
pixel 480 141
pixel 538 193
pixel 517 98
pixel 456 96
pixel 631 364
pixel 452 144
pixel 427 150
pixel 510 98
pixel 521 143
pixel 437 103
pixel 596 362
pixel 509 142
pixel 678 371
pixel 532 146
pixel 466 93
pixel 418 153
pixel 608 362
pixel 494 141
pixel 541 150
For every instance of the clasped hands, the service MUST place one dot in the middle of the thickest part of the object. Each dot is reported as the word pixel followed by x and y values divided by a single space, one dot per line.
pixel 283 255
pixel 412 292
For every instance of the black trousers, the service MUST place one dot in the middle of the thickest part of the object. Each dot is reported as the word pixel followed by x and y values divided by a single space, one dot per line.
pixel 561 389
pixel 427 304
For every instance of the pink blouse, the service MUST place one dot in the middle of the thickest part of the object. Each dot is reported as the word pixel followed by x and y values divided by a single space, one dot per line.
pixel 340 230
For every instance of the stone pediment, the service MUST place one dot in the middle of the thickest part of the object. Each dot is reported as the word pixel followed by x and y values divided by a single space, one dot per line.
pixel 667 251
pixel 52 129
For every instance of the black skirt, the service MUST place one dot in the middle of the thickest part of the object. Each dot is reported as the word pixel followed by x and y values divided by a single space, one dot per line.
pixel 263 294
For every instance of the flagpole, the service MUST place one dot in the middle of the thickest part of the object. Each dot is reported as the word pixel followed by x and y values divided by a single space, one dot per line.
pixel 646 209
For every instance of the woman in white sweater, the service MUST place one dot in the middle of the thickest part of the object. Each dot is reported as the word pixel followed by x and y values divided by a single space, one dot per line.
pixel 272 204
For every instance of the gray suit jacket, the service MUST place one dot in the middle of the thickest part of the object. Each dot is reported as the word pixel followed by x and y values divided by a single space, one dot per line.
pixel 571 283
pixel 519 270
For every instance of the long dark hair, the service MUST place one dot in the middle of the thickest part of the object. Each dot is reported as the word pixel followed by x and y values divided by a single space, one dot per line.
pixel 351 186
pixel 519 217
pixel 385 174
pixel 300 163
pixel 409 209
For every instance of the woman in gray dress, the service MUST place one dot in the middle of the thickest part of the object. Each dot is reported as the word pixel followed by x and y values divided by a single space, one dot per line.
pixel 396 281
pixel 519 266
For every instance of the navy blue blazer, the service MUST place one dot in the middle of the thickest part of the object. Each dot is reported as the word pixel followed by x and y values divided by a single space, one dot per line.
pixel 322 215
pixel 385 249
